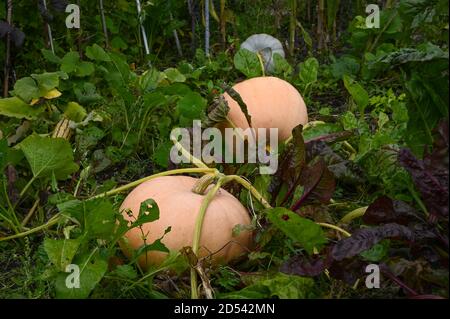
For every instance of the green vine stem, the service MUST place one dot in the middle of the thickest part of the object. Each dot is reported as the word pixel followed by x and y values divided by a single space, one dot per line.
pixel 198 230
pixel 54 220
pixel 261 63
pixel 120 189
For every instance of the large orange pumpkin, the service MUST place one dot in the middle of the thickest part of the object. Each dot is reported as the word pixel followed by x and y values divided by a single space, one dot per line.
pixel 179 207
pixel 271 103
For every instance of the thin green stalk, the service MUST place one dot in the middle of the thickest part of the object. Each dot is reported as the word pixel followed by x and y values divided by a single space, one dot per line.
pixel 54 220
pixel 167 173
pixel 198 230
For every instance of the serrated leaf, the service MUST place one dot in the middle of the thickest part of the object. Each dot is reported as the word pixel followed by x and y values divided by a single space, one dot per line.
pixel 48 156
pixel 303 231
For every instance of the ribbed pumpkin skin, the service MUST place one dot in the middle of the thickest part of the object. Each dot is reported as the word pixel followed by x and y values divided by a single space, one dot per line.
pixel 178 208
pixel 271 103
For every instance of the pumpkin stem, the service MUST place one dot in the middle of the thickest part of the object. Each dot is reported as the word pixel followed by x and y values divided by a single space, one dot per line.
pixel 203 183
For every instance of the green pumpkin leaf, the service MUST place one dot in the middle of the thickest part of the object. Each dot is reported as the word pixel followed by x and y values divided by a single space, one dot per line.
pixel 15 107
pixel 191 105
pixel 61 251
pixel 91 267
pixel 48 156
pixel 173 75
pixel 248 63
pixel 95 52
pixel 27 89
pixel 304 231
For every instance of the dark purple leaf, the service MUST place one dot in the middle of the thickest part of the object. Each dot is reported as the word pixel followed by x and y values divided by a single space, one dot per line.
pixel 306 266
pixel 318 182
pixel 346 171
pixel 385 210
pixel 291 165
pixel 365 238
pixel 431 182
pixel 348 270
pixel 331 138
pixel 431 174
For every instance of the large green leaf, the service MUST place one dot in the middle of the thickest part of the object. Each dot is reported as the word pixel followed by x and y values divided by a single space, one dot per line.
pixel 61 251
pixel 48 156
pixel 27 89
pixel 308 71
pixel 358 93
pixel 191 105
pixel 92 268
pixel 248 63
pixel 15 107
pixel 95 52
pixel 304 231
pixel 49 80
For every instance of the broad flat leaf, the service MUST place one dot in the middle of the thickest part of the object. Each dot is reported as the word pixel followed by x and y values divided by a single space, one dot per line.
pixel 191 105
pixel 248 63
pixel 61 251
pixel 84 69
pixel 95 52
pixel 358 93
pixel 53 94
pixel 15 107
pixel 173 75
pixel 92 268
pixel 308 70
pixel 97 217
pixel 48 156
pixel 50 56
pixel 70 61
pixel 304 231
pixel 27 89
pixel 48 81
pixel 282 67
pixel 4 150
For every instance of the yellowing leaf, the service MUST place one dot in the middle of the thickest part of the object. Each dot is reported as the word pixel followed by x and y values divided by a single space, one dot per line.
pixel 53 94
